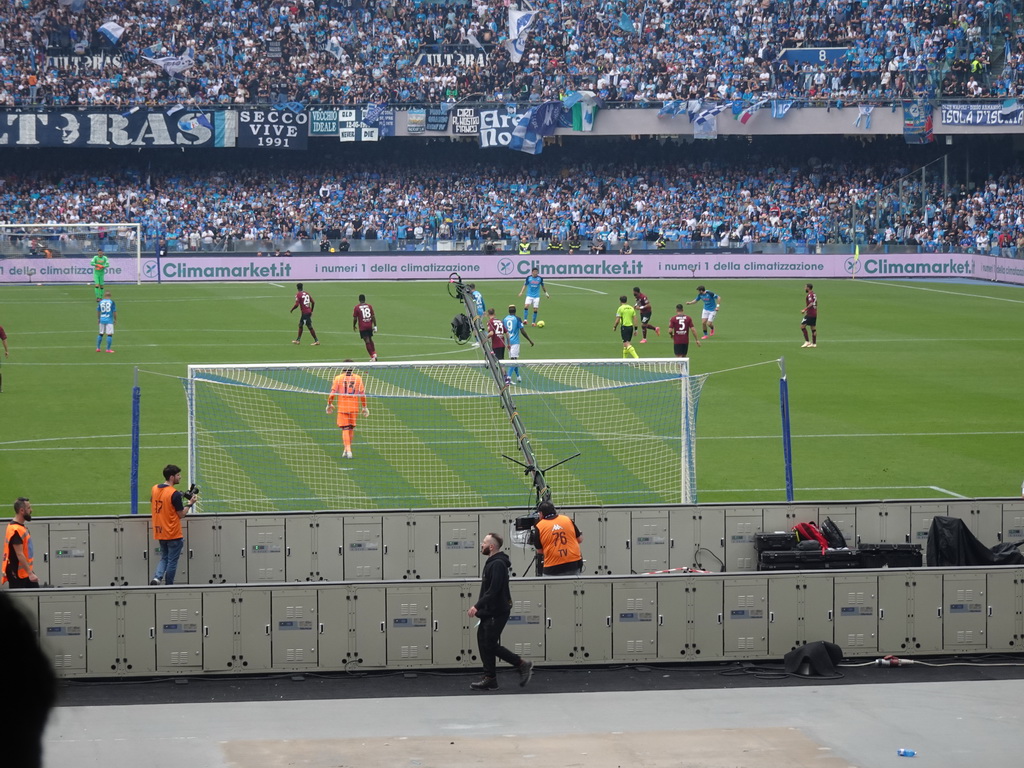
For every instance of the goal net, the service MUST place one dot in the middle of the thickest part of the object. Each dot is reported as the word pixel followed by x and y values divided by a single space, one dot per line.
pixel 121 242
pixel 436 435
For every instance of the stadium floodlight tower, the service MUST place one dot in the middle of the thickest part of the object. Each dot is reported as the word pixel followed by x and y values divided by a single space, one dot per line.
pixel 462 292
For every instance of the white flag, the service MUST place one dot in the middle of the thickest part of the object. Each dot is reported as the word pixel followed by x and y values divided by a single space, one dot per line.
pixel 519 25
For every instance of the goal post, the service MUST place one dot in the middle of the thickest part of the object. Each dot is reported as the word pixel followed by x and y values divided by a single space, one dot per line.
pixel 437 437
pixel 55 241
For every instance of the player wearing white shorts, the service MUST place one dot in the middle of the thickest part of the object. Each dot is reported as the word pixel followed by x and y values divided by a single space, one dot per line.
pixel 533 285
pixel 712 301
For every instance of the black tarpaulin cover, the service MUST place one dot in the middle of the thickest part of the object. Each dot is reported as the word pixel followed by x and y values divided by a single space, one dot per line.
pixel 950 542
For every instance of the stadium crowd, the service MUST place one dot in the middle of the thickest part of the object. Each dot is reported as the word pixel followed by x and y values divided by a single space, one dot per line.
pixel 628 51
pixel 685 195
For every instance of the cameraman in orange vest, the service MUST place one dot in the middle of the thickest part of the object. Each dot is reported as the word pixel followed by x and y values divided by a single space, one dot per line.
pixel 558 539
pixel 18 555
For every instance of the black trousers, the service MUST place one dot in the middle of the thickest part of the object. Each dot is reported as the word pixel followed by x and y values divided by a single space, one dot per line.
pixel 488 639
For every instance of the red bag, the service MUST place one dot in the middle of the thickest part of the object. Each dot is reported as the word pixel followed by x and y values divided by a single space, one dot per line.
pixel 810 532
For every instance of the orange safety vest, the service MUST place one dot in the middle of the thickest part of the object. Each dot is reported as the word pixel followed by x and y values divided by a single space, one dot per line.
pixel 11 557
pixel 558 540
pixel 166 523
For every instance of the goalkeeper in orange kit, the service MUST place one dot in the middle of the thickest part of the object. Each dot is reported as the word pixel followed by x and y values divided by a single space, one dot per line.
pixel 348 390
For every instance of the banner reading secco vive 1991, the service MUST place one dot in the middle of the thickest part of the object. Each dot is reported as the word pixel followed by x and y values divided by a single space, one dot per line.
pixel 423 266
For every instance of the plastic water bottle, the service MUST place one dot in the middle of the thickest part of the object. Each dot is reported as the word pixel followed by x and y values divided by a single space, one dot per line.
pixel 906 753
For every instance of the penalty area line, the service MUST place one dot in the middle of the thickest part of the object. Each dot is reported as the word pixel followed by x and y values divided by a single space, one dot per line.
pixel 578 288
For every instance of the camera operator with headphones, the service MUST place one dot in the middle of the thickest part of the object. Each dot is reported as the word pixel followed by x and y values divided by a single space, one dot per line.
pixel 558 539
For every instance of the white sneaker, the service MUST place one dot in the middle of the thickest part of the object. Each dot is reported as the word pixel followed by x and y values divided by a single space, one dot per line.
pixel 812 345
pixel 347 454
pixel 805 344
pixel 296 341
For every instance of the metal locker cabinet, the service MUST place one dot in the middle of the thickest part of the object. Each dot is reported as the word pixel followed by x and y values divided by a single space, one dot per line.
pixel 909 611
pixel 294 628
pixel 300 548
pixel 368 624
pixel 920 516
pixel 799 611
pixel 137 618
pixel 63 632
pixel 985 519
pixel 454 632
pixel 871 525
pixel 460 546
pixel 252 628
pixel 336 642
pixel 135 544
pixel 783 518
pixel 411 548
pixel 1013 520
pixel 264 549
pixel 220 630
pixel 26 601
pixel 41 553
pixel 845 518
pixel 179 631
pixel 1005 609
pixel 856 614
pixel 698 538
pixel 634 620
pixel 595 545
pixel 525 632
pixel 424 546
pixel 964 612
pixel 69 554
pixel 613 533
pixel 103 649
pixel 649 540
pixel 363 550
pixel 689 618
pixel 594 619
pixel 740 526
pixel 409 637
pixel 745 618
pixel 329 530
pixel 104 553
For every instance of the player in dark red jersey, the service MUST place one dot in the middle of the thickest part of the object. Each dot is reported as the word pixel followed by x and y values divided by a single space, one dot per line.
pixel 643 308
pixel 679 328
pixel 305 304
pixel 810 313
pixel 496 333
pixel 365 321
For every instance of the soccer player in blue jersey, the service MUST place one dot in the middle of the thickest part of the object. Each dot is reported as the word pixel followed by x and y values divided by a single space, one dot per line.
pixel 513 327
pixel 478 299
pixel 533 285
pixel 106 312
pixel 712 301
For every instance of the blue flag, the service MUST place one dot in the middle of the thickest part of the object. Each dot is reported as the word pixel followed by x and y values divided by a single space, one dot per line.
pixel 626 24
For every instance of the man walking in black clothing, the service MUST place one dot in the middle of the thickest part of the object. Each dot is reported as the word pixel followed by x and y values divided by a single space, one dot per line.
pixel 492 609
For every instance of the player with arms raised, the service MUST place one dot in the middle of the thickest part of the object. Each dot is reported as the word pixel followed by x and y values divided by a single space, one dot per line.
pixel 533 285
pixel 810 313
pixel 305 304
pixel 679 328
pixel 347 388
pixel 365 321
pixel 643 308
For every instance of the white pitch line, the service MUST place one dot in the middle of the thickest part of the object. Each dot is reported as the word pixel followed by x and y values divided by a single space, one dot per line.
pixel 943 490
pixel 578 288
pixel 831 488
pixel 91 437
pixel 277 285
pixel 865 434
pixel 951 293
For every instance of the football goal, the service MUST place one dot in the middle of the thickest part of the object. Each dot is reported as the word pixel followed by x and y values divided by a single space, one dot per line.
pixel 118 240
pixel 436 436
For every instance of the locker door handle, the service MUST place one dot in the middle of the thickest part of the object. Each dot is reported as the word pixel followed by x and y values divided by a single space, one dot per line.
pixel 771 617
pixel 145 554
pixel 721 543
pixel 938 612
pixel 881 613
pixel 321 627
pixel 830 614
pixel 990 611
pixel 661 620
pixel 385 549
pixel 858 541
pixel 435 625
pixel 607 621
pixel 628 542
pixel 437 549
pixel 382 626
pixel 268 630
pixel 92 557
pixel 341 550
pixel 88 634
pixel 719 618
pixel 549 622
pixel 671 543
pixel 191 553
pixel 908 538
pixel 206 631
pixel 287 551
pixel 152 632
pixel 46 557
pixel 243 553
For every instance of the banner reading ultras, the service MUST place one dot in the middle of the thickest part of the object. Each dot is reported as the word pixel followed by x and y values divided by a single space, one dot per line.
pixel 423 266
pixel 140 127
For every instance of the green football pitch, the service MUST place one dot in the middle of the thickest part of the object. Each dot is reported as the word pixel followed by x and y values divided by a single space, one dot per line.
pixel 914 390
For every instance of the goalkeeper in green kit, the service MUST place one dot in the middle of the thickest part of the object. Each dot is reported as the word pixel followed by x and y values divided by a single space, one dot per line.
pixel 99 264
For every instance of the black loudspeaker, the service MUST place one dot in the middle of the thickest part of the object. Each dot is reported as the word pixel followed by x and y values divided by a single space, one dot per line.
pixel 818 659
